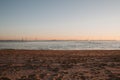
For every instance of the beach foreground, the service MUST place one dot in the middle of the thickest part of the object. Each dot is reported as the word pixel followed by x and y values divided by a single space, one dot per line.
pixel 59 65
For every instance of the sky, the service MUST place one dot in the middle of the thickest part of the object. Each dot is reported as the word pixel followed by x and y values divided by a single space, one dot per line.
pixel 60 19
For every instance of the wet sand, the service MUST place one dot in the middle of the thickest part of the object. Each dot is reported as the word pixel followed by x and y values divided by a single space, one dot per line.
pixel 59 64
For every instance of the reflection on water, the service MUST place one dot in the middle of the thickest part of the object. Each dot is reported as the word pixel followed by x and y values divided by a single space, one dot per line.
pixel 62 45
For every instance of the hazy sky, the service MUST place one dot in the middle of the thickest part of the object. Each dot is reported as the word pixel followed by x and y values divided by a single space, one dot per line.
pixel 60 19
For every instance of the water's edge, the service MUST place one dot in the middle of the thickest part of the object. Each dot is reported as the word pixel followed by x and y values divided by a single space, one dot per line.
pixel 60 45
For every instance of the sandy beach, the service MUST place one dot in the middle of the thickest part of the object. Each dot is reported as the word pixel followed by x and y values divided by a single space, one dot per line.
pixel 59 64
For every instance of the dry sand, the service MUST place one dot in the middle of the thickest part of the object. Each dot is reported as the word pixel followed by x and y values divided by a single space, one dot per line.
pixel 59 65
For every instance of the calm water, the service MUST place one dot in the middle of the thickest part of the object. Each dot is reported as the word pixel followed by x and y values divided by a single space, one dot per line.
pixel 62 45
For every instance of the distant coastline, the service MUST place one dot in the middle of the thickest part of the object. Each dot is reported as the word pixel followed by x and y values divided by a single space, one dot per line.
pixel 50 40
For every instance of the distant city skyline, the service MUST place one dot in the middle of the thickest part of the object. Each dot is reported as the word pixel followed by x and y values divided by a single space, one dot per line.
pixel 60 19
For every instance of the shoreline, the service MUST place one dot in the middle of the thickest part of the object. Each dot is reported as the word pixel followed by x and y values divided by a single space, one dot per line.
pixel 62 51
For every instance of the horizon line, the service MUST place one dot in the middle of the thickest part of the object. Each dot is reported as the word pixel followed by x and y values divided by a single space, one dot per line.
pixel 64 40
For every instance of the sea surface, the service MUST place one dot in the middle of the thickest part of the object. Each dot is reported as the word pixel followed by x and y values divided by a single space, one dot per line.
pixel 61 45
